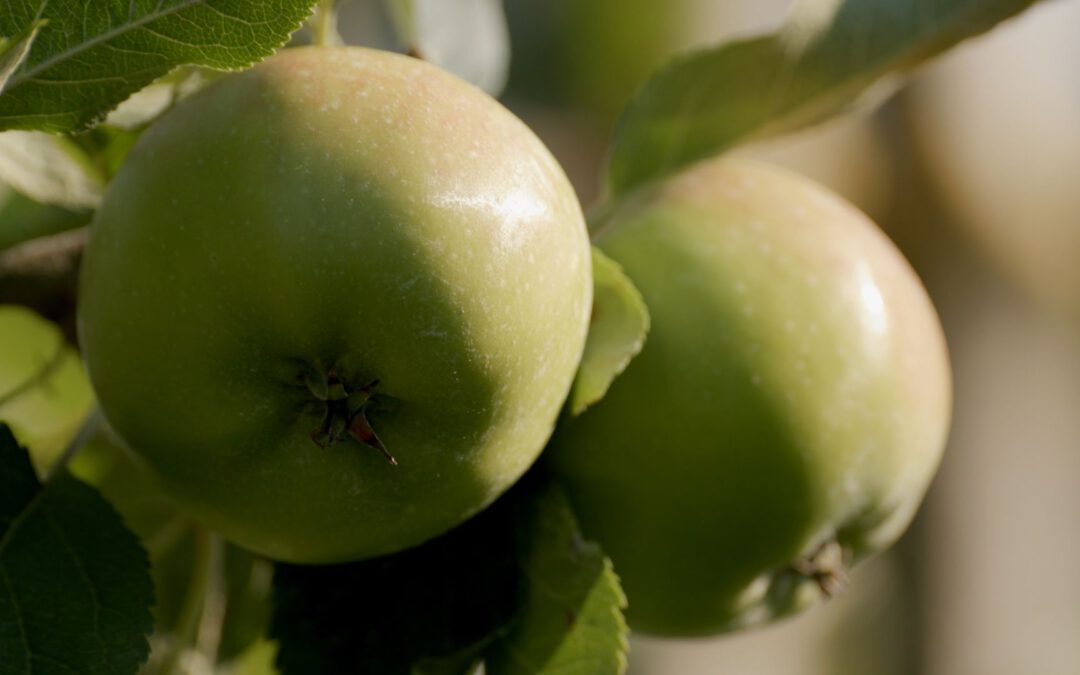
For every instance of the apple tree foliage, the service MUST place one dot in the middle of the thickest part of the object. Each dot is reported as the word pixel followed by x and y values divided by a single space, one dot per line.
pixel 101 575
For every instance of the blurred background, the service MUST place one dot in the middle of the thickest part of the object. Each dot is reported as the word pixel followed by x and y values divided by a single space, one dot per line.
pixel 973 170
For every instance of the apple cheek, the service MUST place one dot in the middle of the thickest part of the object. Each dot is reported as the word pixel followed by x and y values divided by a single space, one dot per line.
pixel 784 416
pixel 381 222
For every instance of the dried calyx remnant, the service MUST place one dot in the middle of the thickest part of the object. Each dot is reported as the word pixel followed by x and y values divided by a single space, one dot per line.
pixel 345 412
pixel 827 567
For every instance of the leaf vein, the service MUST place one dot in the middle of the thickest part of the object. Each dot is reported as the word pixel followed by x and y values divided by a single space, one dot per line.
pixel 20 621
pixel 82 573
pixel 104 37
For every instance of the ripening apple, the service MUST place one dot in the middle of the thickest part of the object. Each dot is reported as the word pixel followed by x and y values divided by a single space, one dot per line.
pixel 336 302
pixel 785 416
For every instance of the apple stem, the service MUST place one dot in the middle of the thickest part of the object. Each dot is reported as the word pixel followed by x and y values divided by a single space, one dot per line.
pixel 827 566
pixel 324 25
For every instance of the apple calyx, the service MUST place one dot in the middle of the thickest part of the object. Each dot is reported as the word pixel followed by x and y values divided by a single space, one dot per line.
pixel 345 412
pixel 827 566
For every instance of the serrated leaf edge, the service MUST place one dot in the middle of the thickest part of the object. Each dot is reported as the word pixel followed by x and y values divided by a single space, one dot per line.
pixel 97 117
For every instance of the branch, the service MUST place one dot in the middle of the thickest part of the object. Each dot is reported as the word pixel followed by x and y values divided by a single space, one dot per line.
pixel 43 274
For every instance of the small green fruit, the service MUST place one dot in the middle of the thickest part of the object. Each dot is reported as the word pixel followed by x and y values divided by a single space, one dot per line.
pixel 334 262
pixel 785 415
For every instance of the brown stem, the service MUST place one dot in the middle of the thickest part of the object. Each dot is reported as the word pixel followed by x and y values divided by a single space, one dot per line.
pixel 42 274
pixel 827 567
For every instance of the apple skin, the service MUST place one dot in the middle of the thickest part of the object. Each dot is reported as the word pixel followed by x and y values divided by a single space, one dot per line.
pixel 340 210
pixel 792 398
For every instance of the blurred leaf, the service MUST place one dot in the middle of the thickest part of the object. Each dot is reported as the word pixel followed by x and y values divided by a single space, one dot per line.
pixel 590 57
pixel 143 106
pixel 50 169
pixel 109 146
pixel 617 332
pixel 92 55
pixel 77 590
pixel 14 51
pixel 150 102
pixel 825 60
pixel 430 603
pixel 572 621
pixel 44 393
pixel 467 37
pixel 22 218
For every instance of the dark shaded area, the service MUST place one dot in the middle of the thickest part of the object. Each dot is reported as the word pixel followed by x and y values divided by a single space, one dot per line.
pixel 43 274
pixel 431 602
pixel 247 609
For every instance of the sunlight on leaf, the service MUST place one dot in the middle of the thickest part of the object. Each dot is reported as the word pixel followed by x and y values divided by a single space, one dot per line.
pixel 14 51
pixel 828 58
pixel 92 55
pixel 617 331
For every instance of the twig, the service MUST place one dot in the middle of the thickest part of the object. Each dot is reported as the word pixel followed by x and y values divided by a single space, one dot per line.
pixel 45 256
pixel 208 638
pixel 42 274
pixel 187 624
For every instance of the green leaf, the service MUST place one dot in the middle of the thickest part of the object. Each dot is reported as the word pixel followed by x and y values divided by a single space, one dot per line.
pixel 617 332
pixel 75 590
pixel 92 54
pixel 827 58
pixel 572 621
pixel 167 536
pixel 72 171
pixel 44 392
pixel 237 592
pixel 23 219
pixel 429 606
pixel 14 52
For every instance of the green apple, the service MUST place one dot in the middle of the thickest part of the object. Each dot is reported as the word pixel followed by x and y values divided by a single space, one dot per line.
pixel 786 413
pixel 336 302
